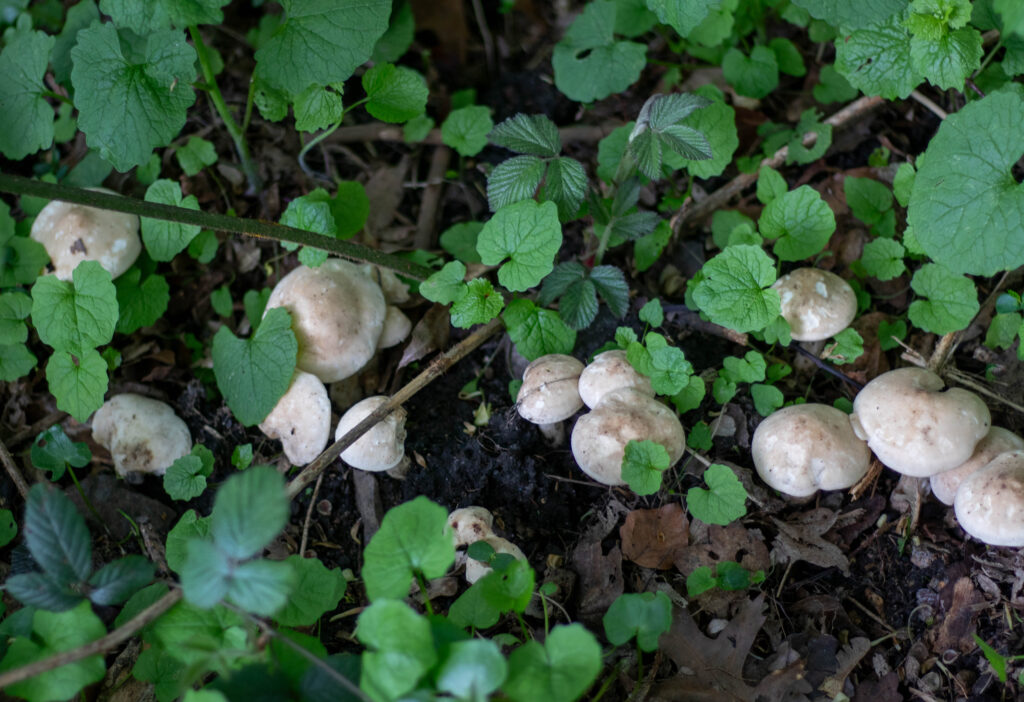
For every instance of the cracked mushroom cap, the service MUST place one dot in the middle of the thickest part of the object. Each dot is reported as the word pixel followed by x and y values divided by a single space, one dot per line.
pixel 817 304
pixel 990 502
pixel 476 569
pixel 550 390
pixel 599 437
pixel 914 426
pixel 997 441
pixel 338 315
pixel 143 435
pixel 611 371
pixel 301 419
pixel 381 448
pixel 73 233
pixel 801 449
pixel 470 524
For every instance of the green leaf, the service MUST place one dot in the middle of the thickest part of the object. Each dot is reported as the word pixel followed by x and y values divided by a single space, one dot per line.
pixel 480 304
pixel 848 347
pixel 682 15
pixel 647 249
pixel 150 82
pixel 165 239
pixel 951 300
pixel 220 300
pixel 140 305
pixel 833 87
pixel 611 286
pixel 350 207
pixel 14 308
pixel 868 199
pixel 250 509
pixel 735 289
pixel 117 581
pixel 8 527
pixel 138 602
pixel 205 574
pixel 724 390
pixel 143 18
pixel 241 456
pixel 723 502
pixel 53 450
pixel 446 285
pixel 189 527
pixel 589 64
pixel 196 635
pixel 472 669
pixel 417 129
pixel 43 591
pixel 509 587
pixel 690 396
pixel 565 185
pixel 195 155
pixel 535 135
pixel 665 365
pixel 652 313
pixel 466 129
pixel 317 591
pixel 395 93
pixel 77 382
pixel 513 180
pixel 254 373
pixel 460 241
pixel 801 221
pixel 788 57
pixel 321 42
pixel 54 633
pixel 21 258
pixel 646 615
pixel 749 369
pixel 770 186
pixel 537 332
pixel 261 587
pixel 966 209
pixel 526 233
pixel 883 258
pixel 875 59
pixel 28 117
pixel 78 17
pixel 768 398
pixel 471 609
pixel 887 331
pixel 903 183
pixel 56 535
pixel 318 107
pixel 700 581
pixel 809 123
pixel 400 648
pixel 186 477
pixel 398 37
pixel 643 464
pixel 947 61
pixel 75 316
pixel 559 670
pixel 700 437
pixel 755 75
pixel 413 538
pixel 840 13
pixel 15 361
pixel 657 133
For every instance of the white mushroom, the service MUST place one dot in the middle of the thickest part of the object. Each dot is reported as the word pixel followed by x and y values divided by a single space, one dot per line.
pixel 470 524
pixel 817 304
pixel 477 569
pixel 74 233
pixel 338 315
pixel 599 438
pixel 143 435
pixel 990 502
pixel 997 441
pixel 801 449
pixel 301 419
pixel 382 447
pixel 611 371
pixel 550 393
pixel 916 428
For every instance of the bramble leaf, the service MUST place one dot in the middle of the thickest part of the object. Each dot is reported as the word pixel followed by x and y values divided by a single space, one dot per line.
pixel 717 122
pixel 117 581
pixel 396 93
pixel 75 316
pixel 565 185
pixel 250 509
pixel 526 233
pixel 952 300
pixel 513 180
pixel 56 535
pixel 165 239
pixel 734 290
pixel 28 117
pixel 535 135
pixel 801 221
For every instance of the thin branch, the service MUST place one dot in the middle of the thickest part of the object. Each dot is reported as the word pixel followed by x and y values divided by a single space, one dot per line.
pixel 426 222
pixel 379 131
pixel 12 470
pixel 250 227
pixel 931 106
pixel 309 516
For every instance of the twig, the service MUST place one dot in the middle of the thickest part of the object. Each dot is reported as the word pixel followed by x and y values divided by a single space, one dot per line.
pixel 309 516
pixel 932 107
pixel 436 368
pixel 12 470
pixel 947 344
pixel 30 432
pixel 426 222
pixel 93 648
pixel 379 131
pixel 698 210
pixel 822 365
pixel 485 36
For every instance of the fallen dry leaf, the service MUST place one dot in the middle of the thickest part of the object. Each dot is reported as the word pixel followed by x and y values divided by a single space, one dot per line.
pixel 600 577
pixel 801 540
pixel 957 628
pixel 654 538
pixel 430 334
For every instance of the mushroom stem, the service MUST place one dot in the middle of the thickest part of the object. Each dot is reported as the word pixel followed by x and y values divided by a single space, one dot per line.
pixel 554 433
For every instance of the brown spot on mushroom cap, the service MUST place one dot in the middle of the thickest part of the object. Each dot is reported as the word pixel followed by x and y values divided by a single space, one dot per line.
pixel 143 435
pixel 990 502
pixel 801 449
pixel 470 524
pixel 550 389
pixel 301 419
pixel 914 428
pixel 816 303
pixel 338 315
pixel 611 371
pixel 997 441
pixel 599 437
pixel 383 446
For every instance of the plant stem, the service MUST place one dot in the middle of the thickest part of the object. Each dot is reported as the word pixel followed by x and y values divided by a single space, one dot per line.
pixel 423 588
pixel 323 135
pixel 19 185
pixel 237 136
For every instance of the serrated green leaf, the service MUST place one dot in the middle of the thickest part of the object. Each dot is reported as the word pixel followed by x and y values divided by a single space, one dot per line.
pixel 446 285
pixel 840 13
pixel 78 383
pixel 317 107
pixel 513 180
pixel 466 129
pixel 43 591
pixel 723 502
pixel 645 615
pixel 868 199
pixel 755 75
pixel 52 450
pixel 398 37
pixel 734 290
pixel 665 365
pixel 848 347
pixel 947 61
pixel 254 373
pixel 643 463
pixel 56 535
pixel 413 538
pixel 186 477
pixel 800 220
pixel 526 233
pixel 682 15
pixel 560 669
pixel 140 305
pixel 75 316
pixel 883 258
pixel 117 581
pixel 725 222
pixel 400 648
pixel 535 135
pixel 690 396
pixel 875 59
pixel 250 509
pixel 261 586
pixel 652 313
pixel 150 84
pixel 565 185
pixel 396 93
pixel 205 574
pixel 321 42
pixel 165 239
pixel 589 64
pixel 272 103
pixel 317 590
pixel 537 332
pixel 195 155
pixel 611 286
pixel 417 129
pixel 951 300
pixel 153 15
pixel 480 304
pixel 28 118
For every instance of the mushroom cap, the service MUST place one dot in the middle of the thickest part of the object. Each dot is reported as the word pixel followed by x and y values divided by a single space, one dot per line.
pixel 396 327
pixel 599 437
pixel 817 304
pixel 73 233
pixel 801 449
pixel 914 428
pixel 381 448
pixel 611 371
pixel 337 313
pixel 997 441
pixel 470 524
pixel 476 569
pixel 990 502
pixel 143 435
pixel 301 419
pixel 550 389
